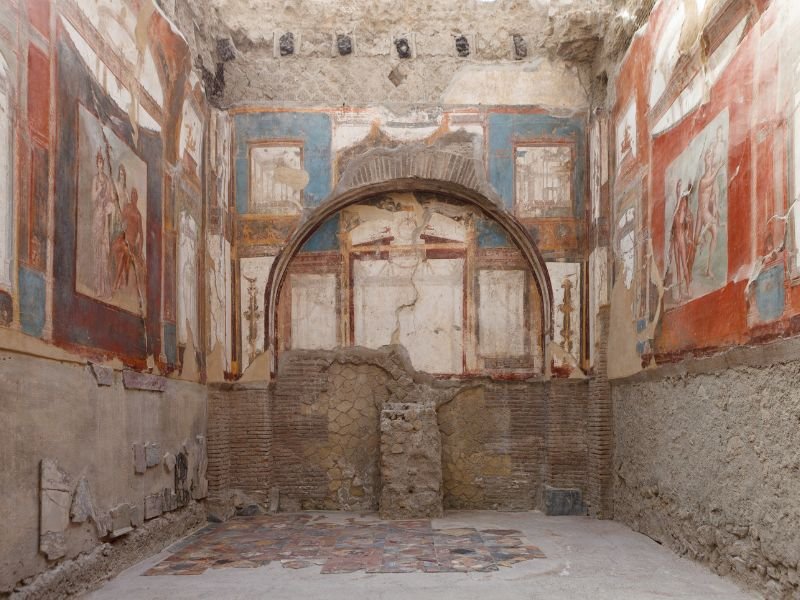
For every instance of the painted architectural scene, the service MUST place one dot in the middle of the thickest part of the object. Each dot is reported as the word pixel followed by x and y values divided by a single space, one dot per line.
pixel 543 178
pixel 277 179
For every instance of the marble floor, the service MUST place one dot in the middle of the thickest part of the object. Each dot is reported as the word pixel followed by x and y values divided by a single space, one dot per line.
pixel 365 543
pixel 464 555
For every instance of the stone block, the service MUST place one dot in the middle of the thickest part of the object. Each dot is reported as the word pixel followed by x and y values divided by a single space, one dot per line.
pixel 170 500
pixel 102 523
pixel 82 507
pixel 137 515
pixel 139 459
pixel 563 502
pixel 133 380
pixel 120 520
pixel 152 453
pixel 153 506
pixel 55 494
pixel 169 462
pixel 103 375
pixel 411 462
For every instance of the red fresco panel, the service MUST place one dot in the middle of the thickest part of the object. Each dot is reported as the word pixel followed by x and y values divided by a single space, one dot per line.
pixel 38 93
pixel 39 15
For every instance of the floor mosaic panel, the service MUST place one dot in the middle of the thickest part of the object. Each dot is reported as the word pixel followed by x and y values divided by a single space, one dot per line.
pixel 356 544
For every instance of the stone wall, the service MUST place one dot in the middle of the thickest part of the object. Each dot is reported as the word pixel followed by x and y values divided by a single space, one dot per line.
pixel 111 452
pixel 707 462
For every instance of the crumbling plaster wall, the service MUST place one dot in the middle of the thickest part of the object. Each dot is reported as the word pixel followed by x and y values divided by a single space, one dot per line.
pixel 60 411
pixel 561 41
pixel 706 462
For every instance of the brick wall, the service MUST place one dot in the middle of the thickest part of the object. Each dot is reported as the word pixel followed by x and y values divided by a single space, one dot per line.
pixel 297 388
pixel 315 436
pixel 523 440
pixel 239 443
pixel 600 430
pixel 567 448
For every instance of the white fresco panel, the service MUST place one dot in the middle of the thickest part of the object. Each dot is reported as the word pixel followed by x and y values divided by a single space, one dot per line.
pixel 6 188
pixel 379 288
pixel 314 321
pixel 598 281
pixel 417 305
pixel 501 313
pixel 256 271
pixel 187 279
pixel 565 279
pixel 433 330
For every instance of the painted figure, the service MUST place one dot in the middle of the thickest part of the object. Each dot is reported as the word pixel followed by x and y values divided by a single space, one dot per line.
pixel 627 142
pixel 122 185
pixel 707 224
pixel 567 309
pixel 681 242
pixel 102 215
pixel 129 242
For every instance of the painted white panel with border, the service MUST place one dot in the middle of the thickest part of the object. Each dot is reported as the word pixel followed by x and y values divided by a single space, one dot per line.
pixel 314 318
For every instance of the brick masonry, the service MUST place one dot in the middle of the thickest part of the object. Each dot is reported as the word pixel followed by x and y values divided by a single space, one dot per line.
pixel 314 435
pixel 239 445
pixel 600 430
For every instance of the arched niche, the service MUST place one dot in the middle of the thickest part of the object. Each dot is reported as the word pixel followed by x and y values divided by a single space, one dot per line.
pixel 424 191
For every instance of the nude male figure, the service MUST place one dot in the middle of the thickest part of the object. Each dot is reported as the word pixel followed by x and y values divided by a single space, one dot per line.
pixel 707 224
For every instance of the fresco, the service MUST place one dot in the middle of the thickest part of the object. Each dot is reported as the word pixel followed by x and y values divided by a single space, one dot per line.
pixel 543 179
pixel 502 314
pixel 188 234
pixel 598 293
pixel 111 217
pixel 191 137
pixel 219 274
pixel 253 283
pixel 402 274
pixel 416 304
pixel 696 215
pixel 565 279
pixel 627 136
pixel 277 179
pixel 6 179
pixel 220 298
pixel 794 170
pixel 314 306
pixel 598 164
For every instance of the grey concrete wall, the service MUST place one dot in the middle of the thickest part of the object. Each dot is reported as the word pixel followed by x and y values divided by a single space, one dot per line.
pixel 57 410
pixel 707 461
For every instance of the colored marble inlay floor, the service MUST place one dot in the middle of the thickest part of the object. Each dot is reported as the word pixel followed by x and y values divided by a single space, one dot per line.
pixel 357 544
